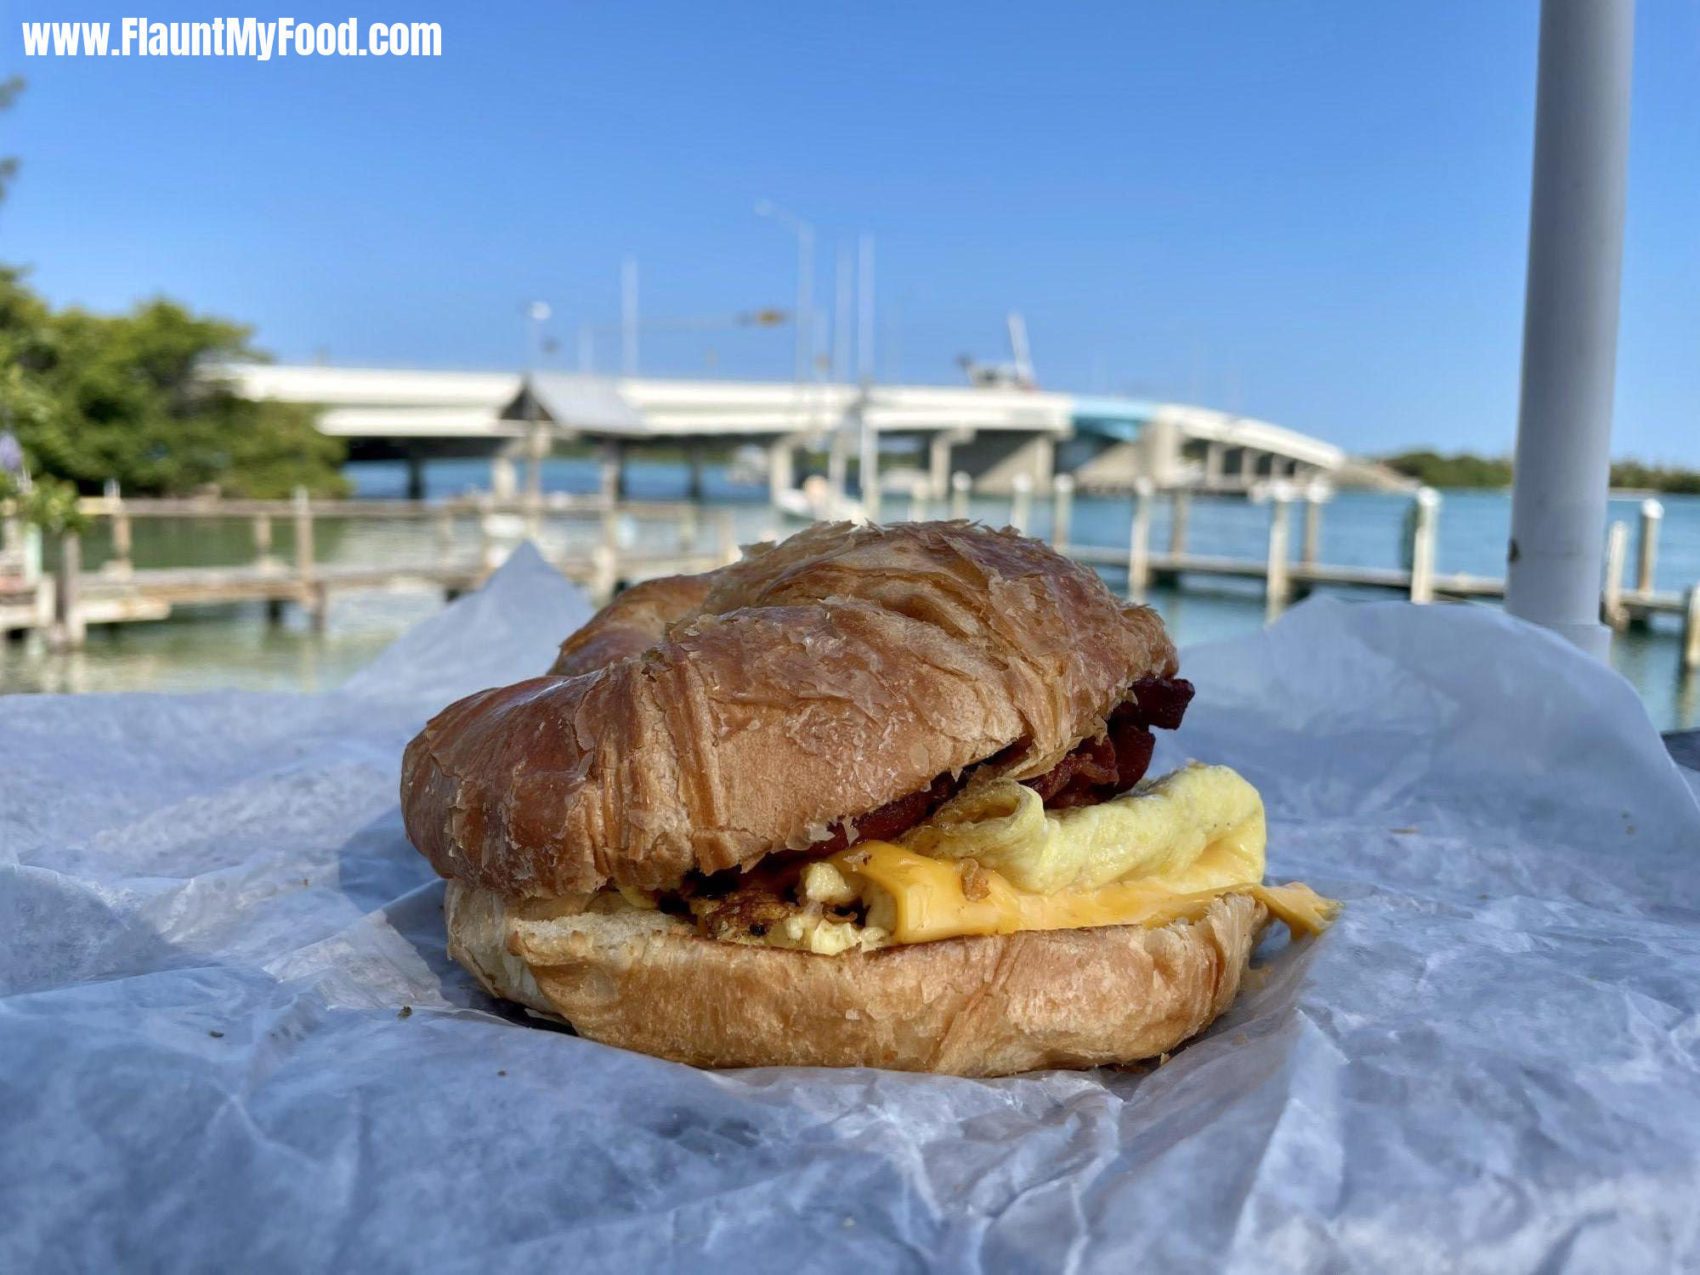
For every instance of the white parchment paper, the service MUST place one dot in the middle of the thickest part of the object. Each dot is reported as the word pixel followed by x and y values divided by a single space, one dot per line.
pixel 211 928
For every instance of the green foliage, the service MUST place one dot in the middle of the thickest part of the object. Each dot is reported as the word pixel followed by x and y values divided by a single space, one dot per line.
pixel 9 90
pixel 47 503
pixel 1463 470
pixel 1633 475
pixel 97 397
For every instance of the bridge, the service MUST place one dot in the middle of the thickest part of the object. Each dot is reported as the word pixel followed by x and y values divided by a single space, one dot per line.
pixel 913 436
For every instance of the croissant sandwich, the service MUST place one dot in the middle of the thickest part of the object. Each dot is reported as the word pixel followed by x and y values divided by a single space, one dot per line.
pixel 874 796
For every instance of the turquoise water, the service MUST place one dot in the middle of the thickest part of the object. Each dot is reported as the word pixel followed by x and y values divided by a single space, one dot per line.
pixel 235 646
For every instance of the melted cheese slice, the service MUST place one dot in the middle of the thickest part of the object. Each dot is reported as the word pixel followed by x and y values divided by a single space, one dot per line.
pixel 1159 854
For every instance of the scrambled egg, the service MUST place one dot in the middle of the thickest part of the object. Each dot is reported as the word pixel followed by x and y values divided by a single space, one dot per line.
pixel 1158 829
pixel 996 861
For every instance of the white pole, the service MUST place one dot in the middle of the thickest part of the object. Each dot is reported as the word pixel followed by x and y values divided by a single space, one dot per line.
pixel 870 470
pixel 865 309
pixel 804 317
pixel 1563 460
pixel 865 374
pixel 629 316
pixel 805 301
pixel 843 303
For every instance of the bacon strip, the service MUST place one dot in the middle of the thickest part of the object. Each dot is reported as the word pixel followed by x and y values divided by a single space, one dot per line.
pixel 1095 771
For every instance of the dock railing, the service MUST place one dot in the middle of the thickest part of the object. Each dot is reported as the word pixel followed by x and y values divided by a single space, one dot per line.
pixel 68 599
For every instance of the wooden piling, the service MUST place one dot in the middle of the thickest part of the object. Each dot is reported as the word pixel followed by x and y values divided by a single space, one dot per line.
pixel 318 606
pixel 488 555
pixel 726 537
pixel 305 567
pixel 960 485
pixel 1180 514
pixel 1611 597
pixel 263 540
pixel 1139 543
pixel 69 629
pixel 121 563
pixel 1062 511
pixel 1310 542
pixel 1647 548
pixel 604 576
pixel 1277 580
pixel 1423 529
pixel 918 499
pixel 1021 502
pixel 444 522
pixel 1691 630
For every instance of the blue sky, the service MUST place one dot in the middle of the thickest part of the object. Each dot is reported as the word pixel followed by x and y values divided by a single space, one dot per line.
pixel 1315 213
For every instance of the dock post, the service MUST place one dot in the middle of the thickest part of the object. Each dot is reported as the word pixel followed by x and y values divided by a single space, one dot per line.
pixel 781 470
pixel 1691 631
pixel 960 485
pixel 611 535
pixel 1021 502
pixel 1062 511
pixel 726 538
pixel 1310 545
pixel 1180 514
pixel 318 606
pixel 918 499
pixel 1611 597
pixel 1139 542
pixel 1277 583
pixel 1423 526
pixel 1180 519
pixel 445 525
pixel 693 460
pixel 263 540
pixel 604 574
pixel 121 563
pixel 1647 549
pixel 488 559
pixel 304 565
pixel 68 629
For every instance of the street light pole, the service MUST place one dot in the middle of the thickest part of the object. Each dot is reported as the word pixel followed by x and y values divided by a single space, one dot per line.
pixel 535 446
pixel 1563 462
pixel 629 316
pixel 805 281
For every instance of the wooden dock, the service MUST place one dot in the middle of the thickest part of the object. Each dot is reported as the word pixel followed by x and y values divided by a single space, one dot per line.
pixel 64 603
pixel 1284 577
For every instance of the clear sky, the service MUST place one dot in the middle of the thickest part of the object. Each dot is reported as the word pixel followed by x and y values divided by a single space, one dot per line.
pixel 1314 213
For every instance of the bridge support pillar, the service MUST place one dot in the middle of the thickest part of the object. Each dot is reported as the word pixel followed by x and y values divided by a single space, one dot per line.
pixel 693 483
pixel 1213 453
pixel 993 458
pixel 415 476
pixel 612 485
pixel 938 465
pixel 1161 443
pixel 504 478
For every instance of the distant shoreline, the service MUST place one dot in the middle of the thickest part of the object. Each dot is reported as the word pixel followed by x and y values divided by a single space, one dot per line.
pixel 1467 471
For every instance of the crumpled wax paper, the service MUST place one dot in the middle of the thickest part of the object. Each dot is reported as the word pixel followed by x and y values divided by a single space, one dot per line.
pixel 230 1038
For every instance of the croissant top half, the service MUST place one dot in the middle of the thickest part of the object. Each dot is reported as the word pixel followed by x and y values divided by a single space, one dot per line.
pixel 700 723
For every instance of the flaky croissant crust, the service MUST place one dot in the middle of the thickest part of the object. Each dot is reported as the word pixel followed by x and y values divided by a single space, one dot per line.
pixel 813 680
